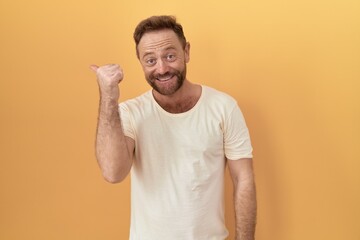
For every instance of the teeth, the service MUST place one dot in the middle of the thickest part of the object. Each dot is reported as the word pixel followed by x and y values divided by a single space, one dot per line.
pixel 164 78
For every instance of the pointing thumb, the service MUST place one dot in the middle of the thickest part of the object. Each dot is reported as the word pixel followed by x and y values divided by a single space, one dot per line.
pixel 94 67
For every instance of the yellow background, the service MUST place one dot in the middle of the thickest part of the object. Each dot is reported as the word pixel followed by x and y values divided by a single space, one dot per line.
pixel 293 66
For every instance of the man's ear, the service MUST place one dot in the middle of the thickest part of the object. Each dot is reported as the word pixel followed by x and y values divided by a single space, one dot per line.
pixel 187 52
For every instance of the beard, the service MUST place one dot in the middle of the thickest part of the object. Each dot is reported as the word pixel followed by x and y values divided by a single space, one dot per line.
pixel 167 89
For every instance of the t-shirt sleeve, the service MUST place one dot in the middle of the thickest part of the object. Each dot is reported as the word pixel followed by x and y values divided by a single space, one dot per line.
pixel 126 121
pixel 237 141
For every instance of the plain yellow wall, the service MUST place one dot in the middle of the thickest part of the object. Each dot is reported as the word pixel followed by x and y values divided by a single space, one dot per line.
pixel 293 66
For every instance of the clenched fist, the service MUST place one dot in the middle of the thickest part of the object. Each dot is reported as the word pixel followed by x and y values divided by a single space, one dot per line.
pixel 108 76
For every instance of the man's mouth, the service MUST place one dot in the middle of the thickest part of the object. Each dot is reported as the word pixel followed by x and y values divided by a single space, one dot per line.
pixel 165 77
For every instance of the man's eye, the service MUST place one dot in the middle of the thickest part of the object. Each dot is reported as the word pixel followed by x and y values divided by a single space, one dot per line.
pixel 170 57
pixel 150 61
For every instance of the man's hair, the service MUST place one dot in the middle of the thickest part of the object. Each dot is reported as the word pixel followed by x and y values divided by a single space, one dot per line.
pixel 155 23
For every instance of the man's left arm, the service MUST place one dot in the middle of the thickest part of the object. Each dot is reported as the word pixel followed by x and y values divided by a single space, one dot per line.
pixel 242 175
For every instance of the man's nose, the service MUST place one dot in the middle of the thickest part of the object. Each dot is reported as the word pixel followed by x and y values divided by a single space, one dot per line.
pixel 162 67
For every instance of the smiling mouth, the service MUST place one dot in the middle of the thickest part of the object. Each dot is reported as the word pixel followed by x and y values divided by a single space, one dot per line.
pixel 165 78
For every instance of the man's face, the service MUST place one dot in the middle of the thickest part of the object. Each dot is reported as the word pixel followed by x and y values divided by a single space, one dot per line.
pixel 163 60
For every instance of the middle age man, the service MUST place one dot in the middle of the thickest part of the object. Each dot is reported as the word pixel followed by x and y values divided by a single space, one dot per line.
pixel 176 138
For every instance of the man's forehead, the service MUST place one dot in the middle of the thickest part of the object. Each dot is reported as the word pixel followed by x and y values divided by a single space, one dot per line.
pixel 161 39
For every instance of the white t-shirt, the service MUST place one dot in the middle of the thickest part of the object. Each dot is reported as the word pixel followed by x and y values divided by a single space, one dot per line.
pixel 177 178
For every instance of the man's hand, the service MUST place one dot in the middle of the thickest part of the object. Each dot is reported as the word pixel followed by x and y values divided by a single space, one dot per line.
pixel 108 76
pixel 114 151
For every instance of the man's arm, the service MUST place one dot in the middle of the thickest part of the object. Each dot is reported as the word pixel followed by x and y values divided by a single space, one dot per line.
pixel 114 151
pixel 244 197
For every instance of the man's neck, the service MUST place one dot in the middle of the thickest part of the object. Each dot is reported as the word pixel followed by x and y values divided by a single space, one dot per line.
pixel 182 100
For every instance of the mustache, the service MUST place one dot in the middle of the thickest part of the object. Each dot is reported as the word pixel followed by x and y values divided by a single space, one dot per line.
pixel 165 75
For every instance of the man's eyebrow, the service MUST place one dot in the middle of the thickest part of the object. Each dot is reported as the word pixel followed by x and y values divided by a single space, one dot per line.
pixel 165 49
pixel 146 54
pixel 170 48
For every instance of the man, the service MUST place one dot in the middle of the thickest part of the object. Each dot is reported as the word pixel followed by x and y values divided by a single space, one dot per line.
pixel 176 139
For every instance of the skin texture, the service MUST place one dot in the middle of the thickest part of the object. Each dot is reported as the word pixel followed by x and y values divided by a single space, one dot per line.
pixel 163 59
pixel 114 151
pixel 244 198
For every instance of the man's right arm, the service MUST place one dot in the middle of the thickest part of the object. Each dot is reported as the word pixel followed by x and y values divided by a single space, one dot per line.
pixel 114 150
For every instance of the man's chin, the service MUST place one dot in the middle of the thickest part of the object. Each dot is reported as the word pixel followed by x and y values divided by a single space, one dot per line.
pixel 167 88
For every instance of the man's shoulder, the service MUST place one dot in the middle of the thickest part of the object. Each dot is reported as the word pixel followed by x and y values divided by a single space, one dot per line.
pixel 214 95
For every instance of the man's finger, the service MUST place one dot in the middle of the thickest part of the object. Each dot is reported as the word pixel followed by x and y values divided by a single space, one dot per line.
pixel 94 67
